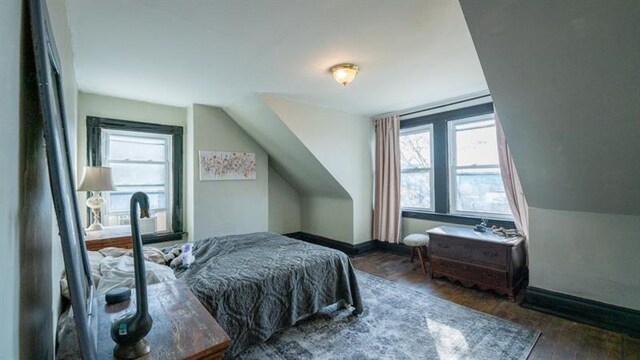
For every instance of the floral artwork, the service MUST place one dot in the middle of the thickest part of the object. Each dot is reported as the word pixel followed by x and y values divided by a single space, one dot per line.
pixel 224 165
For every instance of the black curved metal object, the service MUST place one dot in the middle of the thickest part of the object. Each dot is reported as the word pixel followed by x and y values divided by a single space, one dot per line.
pixel 129 332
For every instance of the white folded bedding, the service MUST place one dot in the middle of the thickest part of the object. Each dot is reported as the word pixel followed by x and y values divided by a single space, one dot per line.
pixel 120 272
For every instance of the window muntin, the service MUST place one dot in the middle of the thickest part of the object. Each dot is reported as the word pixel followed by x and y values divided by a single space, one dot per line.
pixel 475 183
pixel 416 154
pixel 140 162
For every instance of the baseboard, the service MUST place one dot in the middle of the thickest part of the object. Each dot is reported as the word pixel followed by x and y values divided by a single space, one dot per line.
pixel 350 249
pixel 586 311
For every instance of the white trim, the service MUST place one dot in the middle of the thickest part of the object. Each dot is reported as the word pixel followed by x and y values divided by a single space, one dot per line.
pixel 418 130
pixel 168 162
pixel 452 168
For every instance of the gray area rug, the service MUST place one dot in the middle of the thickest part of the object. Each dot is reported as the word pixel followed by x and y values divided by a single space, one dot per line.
pixel 398 323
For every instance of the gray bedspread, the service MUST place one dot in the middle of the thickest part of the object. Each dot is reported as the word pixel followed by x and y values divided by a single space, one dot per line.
pixel 257 284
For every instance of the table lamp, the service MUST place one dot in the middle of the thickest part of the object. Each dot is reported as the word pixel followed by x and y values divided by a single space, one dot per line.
pixel 96 179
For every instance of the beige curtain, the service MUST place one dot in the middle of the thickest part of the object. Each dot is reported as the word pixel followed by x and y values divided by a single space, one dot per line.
pixel 386 212
pixel 515 195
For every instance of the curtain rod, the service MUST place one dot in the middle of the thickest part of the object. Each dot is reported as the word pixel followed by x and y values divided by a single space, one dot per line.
pixel 444 105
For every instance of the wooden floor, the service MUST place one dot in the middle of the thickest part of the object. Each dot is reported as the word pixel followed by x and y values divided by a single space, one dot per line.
pixel 560 339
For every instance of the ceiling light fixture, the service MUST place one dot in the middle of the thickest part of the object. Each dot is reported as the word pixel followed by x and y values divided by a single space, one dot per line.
pixel 344 73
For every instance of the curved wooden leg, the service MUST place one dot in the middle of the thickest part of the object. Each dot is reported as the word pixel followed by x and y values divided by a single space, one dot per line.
pixel 413 254
pixel 424 268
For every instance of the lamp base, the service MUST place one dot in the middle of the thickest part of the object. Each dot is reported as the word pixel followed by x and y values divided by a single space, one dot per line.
pixel 132 351
pixel 95 227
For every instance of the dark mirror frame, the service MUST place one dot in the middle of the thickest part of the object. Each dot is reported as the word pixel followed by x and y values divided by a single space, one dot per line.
pixel 61 176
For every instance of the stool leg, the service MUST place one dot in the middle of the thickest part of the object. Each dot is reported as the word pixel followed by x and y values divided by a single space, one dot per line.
pixel 413 253
pixel 424 268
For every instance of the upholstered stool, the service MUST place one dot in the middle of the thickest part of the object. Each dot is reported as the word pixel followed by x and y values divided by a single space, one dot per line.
pixel 417 242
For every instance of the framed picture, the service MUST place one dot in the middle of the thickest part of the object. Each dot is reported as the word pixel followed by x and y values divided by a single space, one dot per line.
pixel 225 165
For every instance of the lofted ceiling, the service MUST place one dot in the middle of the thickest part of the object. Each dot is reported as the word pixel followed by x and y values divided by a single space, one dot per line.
pixel 214 52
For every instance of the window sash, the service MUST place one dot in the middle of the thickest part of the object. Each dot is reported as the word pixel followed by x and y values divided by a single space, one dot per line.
pixel 166 185
pixel 428 128
pixel 453 168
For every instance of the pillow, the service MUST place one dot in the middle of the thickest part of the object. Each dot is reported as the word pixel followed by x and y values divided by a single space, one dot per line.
pixel 120 272
pixel 94 261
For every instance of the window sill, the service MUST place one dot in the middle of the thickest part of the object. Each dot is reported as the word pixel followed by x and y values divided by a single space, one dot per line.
pixel 163 237
pixel 455 219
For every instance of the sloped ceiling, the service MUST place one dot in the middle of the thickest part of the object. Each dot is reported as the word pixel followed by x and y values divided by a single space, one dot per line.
pixel 180 52
pixel 565 79
pixel 287 154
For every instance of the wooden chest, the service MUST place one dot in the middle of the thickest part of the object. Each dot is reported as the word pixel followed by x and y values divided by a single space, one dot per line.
pixel 485 260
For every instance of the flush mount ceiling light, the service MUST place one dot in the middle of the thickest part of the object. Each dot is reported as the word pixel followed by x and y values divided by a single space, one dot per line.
pixel 344 73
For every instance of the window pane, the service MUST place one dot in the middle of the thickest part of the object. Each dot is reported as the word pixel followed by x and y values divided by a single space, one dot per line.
pixel 139 174
pixel 476 145
pixel 480 190
pixel 415 150
pixel 416 190
pixel 136 148
pixel 156 223
pixel 119 200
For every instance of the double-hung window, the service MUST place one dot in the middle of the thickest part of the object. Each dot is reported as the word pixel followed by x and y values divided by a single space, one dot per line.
pixel 139 162
pixel 449 167
pixel 144 157
pixel 476 186
pixel 416 149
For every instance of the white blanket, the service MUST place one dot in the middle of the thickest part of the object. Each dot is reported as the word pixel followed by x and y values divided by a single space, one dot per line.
pixel 120 272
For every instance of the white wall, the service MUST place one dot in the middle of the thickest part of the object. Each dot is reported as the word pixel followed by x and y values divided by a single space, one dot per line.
pixel 593 256
pixel 327 217
pixel 225 207
pixel 284 205
pixel 296 163
pixel 122 109
pixel 10 23
pixel 342 143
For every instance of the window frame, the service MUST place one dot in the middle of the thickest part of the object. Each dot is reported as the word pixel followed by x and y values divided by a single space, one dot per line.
pixel 440 165
pixel 168 163
pixel 418 130
pixel 452 168
pixel 95 127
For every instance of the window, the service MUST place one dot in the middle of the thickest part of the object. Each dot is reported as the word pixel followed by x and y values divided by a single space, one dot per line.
pixel 450 169
pixel 474 171
pixel 139 162
pixel 415 163
pixel 144 157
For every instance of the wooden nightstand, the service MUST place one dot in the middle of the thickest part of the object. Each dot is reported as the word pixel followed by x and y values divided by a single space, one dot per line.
pixel 182 327
pixel 112 236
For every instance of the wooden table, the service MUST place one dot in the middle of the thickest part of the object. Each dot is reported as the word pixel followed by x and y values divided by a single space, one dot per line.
pixel 112 236
pixel 182 327
pixel 481 259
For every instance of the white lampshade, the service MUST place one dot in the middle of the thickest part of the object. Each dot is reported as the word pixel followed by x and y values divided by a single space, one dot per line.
pixel 95 178
pixel 344 73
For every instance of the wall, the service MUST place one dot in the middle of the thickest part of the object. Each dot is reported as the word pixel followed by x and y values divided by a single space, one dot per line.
pixel 328 217
pixel 225 207
pixel 296 163
pixel 588 255
pixel 342 143
pixel 122 109
pixel 10 32
pixel 564 79
pixel 284 205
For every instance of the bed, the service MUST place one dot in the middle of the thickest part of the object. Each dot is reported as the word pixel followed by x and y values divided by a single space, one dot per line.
pixel 253 284
pixel 257 284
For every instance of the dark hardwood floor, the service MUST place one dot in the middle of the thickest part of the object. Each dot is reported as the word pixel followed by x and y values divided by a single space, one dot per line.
pixel 560 339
